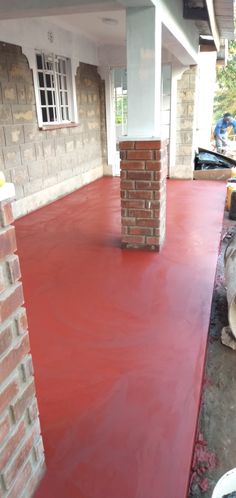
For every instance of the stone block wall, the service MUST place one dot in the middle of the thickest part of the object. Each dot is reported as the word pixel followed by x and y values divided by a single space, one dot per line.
pixel 185 124
pixel 143 193
pixel 44 165
pixel 21 447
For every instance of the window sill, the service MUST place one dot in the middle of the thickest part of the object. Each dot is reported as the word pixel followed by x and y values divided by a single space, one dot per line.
pixel 58 126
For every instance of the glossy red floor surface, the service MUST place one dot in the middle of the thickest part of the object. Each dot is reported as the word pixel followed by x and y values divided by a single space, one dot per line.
pixel 118 340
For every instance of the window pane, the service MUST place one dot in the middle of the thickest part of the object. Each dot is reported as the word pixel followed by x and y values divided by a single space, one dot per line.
pixel 53 85
pixel 39 61
pixel 41 81
pixel 51 114
pixel 48 81
pixel 49 95
pixel 64 67
pixel 43 98
pixel 49 65
pixel 44 115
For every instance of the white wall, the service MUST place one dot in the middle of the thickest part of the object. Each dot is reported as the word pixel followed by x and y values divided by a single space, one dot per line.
pixel 112 56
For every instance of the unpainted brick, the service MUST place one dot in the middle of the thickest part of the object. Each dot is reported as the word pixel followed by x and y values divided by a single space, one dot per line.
pixel 7 241
pixel 32 412
pixel 39 150
pixel 14 134
pixel 2 137
pixel 6 214
pixel 69 144
pixel 21 321
pixel 19 176
pixel 4 428
pixel 13 265
pixel 3 282
pixel 9 475
pixel 23 114
pixel 37 170
pixel 19 71
pixel 21 96
pixel 48 147
pixel 7 395
pixel 32 133
pixel 14 357
pixel 9 94
pixel 30 95
pixel 5 338
pixel 5 114
pixel 22 478
pixel 3 69
pixel 11 156
pixel 18 409
pixel 33 186
pixel 28 153
pixel 10 300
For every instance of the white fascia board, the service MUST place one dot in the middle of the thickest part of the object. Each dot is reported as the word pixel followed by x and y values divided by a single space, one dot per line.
pixel 184 31
pixel 213 25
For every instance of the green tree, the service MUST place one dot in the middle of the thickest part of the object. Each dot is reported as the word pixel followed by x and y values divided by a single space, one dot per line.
pixel 121 109
pixel 225 98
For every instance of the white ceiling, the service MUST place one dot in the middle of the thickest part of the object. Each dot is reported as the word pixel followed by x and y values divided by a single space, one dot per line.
pixel 93 26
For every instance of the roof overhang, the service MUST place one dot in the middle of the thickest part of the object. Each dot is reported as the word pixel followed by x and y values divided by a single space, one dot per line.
pixel 213 18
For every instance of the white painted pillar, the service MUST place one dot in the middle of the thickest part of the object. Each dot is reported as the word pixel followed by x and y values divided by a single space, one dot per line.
pixel 106 74
pixel 177 71
pixel 144 71
pixel 205 98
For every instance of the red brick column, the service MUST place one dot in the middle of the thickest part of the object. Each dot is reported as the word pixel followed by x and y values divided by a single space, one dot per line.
pixel 143 193
pixel 21 448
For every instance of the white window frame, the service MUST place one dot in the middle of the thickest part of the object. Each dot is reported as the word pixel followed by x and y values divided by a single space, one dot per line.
pixel 54 99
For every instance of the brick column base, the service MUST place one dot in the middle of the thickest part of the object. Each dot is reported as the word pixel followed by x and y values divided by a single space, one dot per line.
pixel 143 193
pixel 21 447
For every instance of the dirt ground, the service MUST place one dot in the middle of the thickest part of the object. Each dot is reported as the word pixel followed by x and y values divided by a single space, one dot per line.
pixel 215 449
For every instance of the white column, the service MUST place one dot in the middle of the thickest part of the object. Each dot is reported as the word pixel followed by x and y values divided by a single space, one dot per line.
pixel 144 71
pixel 177 72
pixel 106 74
pixel 205 98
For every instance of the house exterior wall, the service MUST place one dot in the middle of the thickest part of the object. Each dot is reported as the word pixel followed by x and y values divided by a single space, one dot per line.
pixel 45 165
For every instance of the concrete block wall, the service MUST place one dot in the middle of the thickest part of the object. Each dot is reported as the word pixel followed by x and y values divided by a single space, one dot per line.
pixel 21 448
pixel 44 165
pixel 143 193
pixel 185 124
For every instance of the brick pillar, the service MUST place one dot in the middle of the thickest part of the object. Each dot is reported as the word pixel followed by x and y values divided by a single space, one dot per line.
pixel 143 193
pixel 21 447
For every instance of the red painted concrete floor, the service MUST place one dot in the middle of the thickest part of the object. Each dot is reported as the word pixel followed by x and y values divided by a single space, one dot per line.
pixel 118 340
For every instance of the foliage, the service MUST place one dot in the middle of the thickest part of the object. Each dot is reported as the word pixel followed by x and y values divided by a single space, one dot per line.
pixel 225 98
pixel 121 109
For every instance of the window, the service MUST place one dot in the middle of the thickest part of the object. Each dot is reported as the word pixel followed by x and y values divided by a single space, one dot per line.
pixel 54 87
